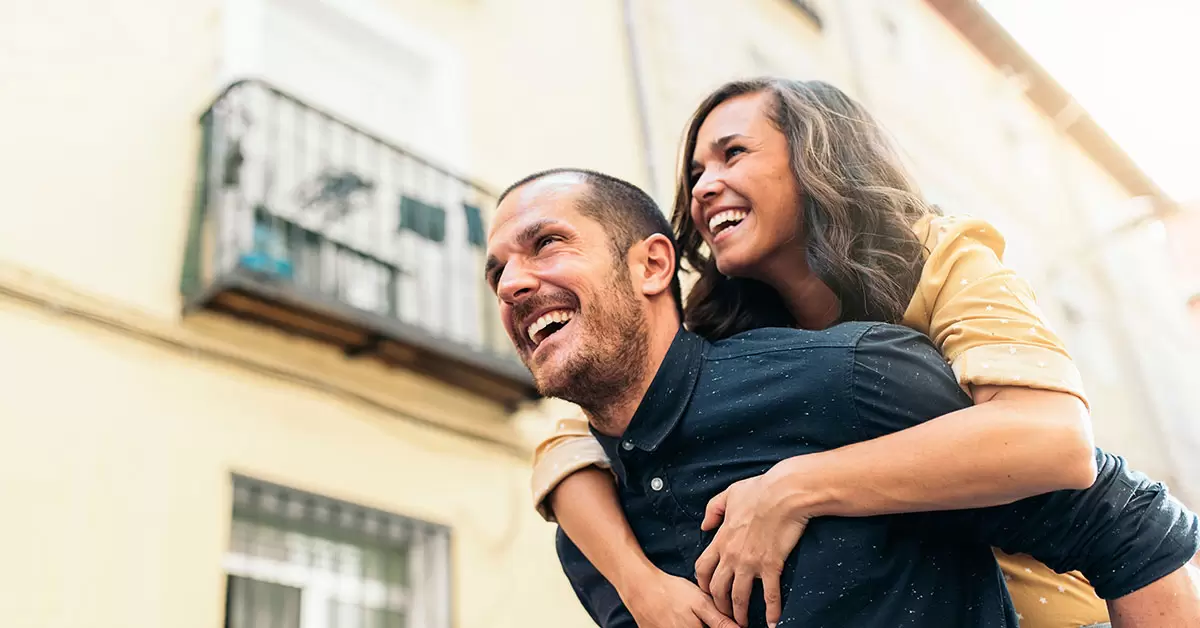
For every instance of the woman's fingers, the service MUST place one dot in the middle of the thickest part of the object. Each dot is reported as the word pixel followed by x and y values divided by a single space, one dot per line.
pixel 721 585
pixel 715 512
pixel 773 598
pixel 743 584
pixel 706 565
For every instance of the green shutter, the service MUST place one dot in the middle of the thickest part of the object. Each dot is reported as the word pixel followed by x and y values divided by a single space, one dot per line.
pixel 474 225
pixel 423 219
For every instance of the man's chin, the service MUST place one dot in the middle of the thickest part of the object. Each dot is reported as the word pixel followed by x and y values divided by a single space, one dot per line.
pixel 552 386
pixel 553 378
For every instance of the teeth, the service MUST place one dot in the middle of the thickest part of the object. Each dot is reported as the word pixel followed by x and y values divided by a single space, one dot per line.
pixel 729 215
pixel 557 316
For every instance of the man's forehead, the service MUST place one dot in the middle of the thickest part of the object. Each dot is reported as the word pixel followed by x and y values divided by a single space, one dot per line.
pixel 552 197
pixel 556 184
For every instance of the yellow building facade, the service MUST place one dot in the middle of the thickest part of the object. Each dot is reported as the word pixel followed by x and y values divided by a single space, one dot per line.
pixel 249 371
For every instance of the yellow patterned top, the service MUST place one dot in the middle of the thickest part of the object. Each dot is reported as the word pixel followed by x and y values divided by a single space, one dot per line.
pixel 986 322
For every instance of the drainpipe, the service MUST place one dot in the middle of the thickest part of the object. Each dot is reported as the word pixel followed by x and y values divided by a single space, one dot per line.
pixel 640 90
pixel 854 55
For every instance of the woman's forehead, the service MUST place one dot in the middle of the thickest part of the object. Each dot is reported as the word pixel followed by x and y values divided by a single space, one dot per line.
pixel 739 113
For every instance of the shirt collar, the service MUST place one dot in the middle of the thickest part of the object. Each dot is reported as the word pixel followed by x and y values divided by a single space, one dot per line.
pixel 665 401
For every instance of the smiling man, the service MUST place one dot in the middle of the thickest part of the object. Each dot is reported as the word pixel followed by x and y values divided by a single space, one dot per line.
pixel 585 271
pixel 588 316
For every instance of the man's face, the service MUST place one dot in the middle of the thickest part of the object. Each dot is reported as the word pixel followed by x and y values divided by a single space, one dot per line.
pixel 567 303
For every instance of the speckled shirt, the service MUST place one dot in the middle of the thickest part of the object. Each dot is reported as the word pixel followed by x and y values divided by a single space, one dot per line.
pixel 710 418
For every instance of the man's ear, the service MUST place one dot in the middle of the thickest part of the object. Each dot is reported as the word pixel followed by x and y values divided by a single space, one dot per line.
pixel 654 266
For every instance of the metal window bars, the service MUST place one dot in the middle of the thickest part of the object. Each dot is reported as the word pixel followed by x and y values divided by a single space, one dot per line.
pixel 299 560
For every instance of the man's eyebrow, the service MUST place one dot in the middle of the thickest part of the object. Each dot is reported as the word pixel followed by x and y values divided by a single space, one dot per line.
pixel 524 237
pixel 533 230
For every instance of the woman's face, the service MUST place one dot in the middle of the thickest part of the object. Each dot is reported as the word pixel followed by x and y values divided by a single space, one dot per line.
pixel 745 199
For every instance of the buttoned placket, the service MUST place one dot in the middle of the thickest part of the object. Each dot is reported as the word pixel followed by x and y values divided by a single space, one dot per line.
pixel 642 471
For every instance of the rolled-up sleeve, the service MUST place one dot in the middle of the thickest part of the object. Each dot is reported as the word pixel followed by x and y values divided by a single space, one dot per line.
pixel 983 316
pixel 570 448
pixel 1123 533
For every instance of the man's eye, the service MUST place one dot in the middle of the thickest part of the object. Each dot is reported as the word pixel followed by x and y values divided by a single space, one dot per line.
pixel 545 240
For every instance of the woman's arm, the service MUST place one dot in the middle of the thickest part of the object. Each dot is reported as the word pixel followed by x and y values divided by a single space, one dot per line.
pixel 1029 431
pixel 589 512
pixel 587 509
pixel 572 486
pixel 1015 443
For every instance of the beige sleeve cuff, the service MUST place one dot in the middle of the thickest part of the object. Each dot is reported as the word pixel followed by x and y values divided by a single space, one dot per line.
pixel 1019 365
pixel 567 456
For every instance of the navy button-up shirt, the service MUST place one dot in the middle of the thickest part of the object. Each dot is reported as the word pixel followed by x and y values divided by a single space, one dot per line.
pixel 721 412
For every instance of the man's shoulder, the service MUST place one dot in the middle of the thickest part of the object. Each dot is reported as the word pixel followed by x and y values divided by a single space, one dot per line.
pixel 843 336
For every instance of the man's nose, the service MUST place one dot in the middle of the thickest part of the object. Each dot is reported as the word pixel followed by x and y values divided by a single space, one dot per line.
pixel 516 284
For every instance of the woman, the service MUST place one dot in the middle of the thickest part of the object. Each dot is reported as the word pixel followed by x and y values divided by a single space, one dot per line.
pixel 794 210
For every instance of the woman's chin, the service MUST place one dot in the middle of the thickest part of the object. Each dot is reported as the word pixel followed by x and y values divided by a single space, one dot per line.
pixel 732 265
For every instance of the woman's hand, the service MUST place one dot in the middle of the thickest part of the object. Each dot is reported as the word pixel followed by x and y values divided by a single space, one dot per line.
pixel 758 530
pixel 661 600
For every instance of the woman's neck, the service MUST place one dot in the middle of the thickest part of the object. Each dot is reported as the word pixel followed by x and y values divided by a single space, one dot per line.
pixel 811 303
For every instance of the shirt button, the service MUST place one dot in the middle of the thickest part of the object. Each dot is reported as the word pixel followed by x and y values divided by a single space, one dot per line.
pixel 627 446
pixel 656 484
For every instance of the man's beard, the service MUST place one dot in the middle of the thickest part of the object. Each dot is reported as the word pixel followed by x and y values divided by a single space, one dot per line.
pixel 611 358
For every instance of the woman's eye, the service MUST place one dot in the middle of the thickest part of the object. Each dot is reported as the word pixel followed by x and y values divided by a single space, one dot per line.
pixel 733 151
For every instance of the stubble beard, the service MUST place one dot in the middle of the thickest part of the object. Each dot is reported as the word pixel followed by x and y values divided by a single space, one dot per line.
pixel 611 362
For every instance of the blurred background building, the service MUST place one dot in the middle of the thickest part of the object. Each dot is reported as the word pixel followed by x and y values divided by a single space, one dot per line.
pixel 250 371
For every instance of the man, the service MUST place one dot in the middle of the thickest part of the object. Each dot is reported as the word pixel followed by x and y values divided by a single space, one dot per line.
pixel 585 270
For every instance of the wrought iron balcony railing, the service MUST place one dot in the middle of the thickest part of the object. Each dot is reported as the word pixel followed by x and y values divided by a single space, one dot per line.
pixel 308 224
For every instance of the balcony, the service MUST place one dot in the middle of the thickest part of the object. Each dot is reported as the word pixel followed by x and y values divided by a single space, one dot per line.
pixel 308 224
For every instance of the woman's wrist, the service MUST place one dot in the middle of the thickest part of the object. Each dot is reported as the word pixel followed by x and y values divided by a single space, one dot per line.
pixel 798 481
pixel 632 575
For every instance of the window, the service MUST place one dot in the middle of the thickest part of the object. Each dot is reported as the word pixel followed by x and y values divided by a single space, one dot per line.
pixel 423 219
pixel 298 560
pixel 475 231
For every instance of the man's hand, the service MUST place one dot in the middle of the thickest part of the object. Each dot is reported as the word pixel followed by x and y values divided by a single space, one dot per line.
pixel 666 601
pixel 757 533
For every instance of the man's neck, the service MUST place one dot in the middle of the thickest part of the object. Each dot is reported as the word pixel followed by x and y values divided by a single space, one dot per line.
pixel 614 418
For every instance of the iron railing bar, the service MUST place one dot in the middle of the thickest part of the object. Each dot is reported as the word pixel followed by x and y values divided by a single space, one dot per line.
pixel 355 127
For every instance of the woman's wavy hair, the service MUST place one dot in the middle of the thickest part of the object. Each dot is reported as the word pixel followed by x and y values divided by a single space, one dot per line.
pixel 859 206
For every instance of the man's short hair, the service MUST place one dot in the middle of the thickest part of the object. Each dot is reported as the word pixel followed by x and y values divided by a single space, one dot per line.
pixel 627 213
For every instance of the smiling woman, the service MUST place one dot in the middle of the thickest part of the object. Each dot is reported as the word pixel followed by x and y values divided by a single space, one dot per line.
pixel 752 151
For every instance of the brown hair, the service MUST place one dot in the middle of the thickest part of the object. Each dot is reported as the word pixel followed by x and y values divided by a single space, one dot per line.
pixel 858 208
pixel 627 214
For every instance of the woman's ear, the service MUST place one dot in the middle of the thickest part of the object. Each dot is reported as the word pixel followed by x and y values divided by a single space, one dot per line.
pixel 656 265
